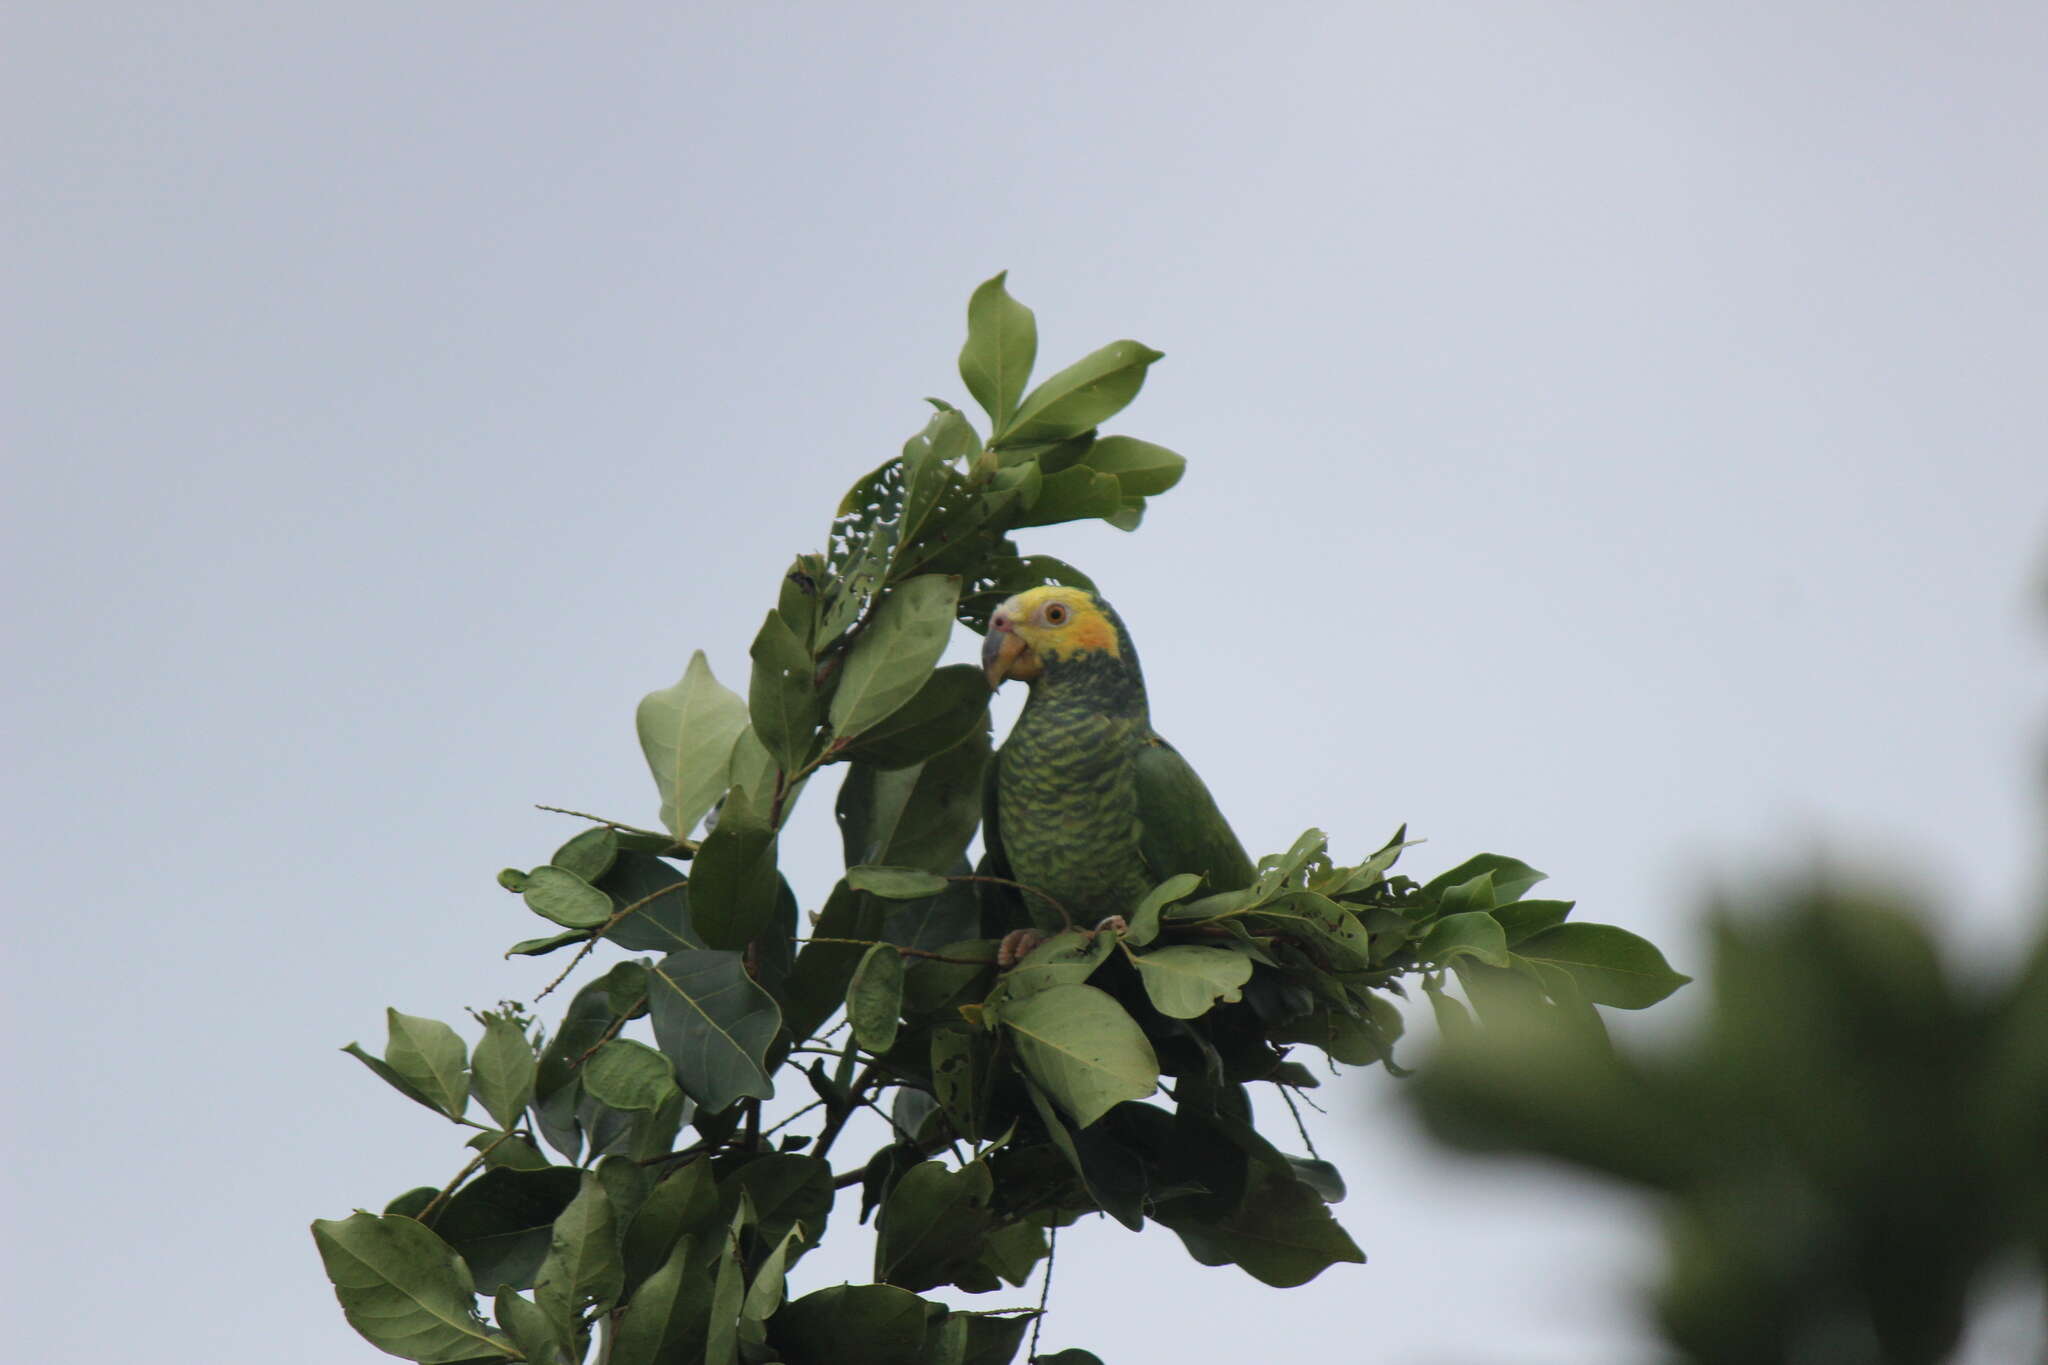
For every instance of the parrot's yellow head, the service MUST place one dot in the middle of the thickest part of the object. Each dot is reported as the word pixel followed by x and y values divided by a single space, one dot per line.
pixel 1050 625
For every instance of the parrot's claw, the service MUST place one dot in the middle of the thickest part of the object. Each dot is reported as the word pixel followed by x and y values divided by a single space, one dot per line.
pixel 1017 945
pixel 1112 924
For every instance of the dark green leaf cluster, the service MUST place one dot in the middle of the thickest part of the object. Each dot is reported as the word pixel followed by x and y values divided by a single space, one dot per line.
pixel 1019 1097
pixel 1847 1143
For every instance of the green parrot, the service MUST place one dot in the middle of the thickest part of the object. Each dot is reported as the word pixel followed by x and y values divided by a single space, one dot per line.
pixel 1085 803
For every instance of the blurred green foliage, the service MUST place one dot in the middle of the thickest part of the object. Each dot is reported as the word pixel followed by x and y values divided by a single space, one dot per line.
pixel 1853 1137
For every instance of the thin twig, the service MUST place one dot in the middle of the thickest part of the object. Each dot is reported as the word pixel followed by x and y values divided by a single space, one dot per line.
pixel 600 931
pixel 836 1117
pixel 1052 1244
pixel 614 824
pixel 611 1031
pixel 448 1192
pixel 784 1123
pixel 923 1149
pixel 1299 1126
pixel 907 952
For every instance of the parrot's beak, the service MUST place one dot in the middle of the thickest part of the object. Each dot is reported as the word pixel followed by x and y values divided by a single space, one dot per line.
pixel 1004 655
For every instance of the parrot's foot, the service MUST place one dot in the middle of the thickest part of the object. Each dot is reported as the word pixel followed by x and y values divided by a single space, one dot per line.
pixel 1112 924
pixel 1017 945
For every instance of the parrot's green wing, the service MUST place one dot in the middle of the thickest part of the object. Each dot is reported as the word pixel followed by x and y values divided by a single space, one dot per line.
pixel 1002 908
pixel 1180 829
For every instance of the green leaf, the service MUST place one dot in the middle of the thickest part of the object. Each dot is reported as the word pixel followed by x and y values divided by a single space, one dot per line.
pixel 1011 1253
pixel 1128 516
pixel 669 1316
pixel 1320 924
pixel 541 947
pixel 960 1061
pixel 1002 344
pixel 1474 933
pixel 961 1338
pixel 404 1289
pixel 784 1190
pixel 687 732
pixel 661 923
pixel 1083 395
pixel 1475 895
pixel 733 886
pixel 686 1201
pixel 627 1182
pixel 1073 1355
pixel 931 924
pixel 1512 878
pixel 1144 921
pixel 781 698
pixel 589 855
pixel 874 998
pixel 764 1295
pixel 1612 966
pixel 932 1224
pixel 1185 982
pixel 502 1071
pixel 1078 1043
pixel 1281 1234
pixel 1050 456
pixel 1142 469
pixel 715 1024
pixel 1326 1180
pixel 1074 495
pixel 1280 870
pixel 728 1289
pixel 917 817
pixel 502 1222
pixel 391 1078
pixel 1453 1020
pixel 431 1058
pixel 817 984
pixel 541 1339
pixel 505 1150
pixel 852 1324
pixel 920 817
pixel 950 706
pixel 1373 870
pixel 629 1075
pixel 1526 919
pixel 894 656
pixel 895 883
pixel 583 1263
pixel 1344 1037
pixel 754 772
pixel 560 895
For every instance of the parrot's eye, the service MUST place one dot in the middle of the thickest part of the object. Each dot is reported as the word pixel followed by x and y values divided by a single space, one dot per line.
pixel 1055 614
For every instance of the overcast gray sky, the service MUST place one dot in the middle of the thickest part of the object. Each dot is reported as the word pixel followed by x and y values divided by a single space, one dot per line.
pixel 1614 438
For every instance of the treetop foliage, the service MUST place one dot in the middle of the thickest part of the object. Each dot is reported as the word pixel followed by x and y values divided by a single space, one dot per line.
pixel 631 1184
